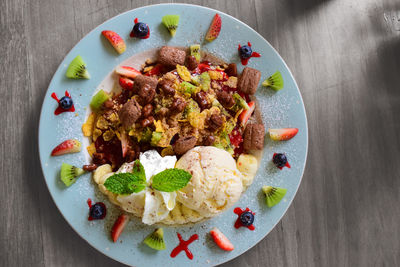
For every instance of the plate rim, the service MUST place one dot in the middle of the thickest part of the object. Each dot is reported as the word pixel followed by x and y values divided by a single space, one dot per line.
pixel 248 28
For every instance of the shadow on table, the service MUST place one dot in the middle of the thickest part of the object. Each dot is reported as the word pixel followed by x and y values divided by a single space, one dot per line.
pixel 297 8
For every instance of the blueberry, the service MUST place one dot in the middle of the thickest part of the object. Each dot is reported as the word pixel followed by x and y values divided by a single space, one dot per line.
pixel 140 29
pixel 245 51
pixel 247 218
pixel 98 211
pixel 279 160
pixel 66 102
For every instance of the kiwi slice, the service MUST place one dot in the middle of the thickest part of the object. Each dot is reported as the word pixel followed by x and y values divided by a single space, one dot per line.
pixel 273 195
pixel 189 88
pixel 171 22
pixel 203 80
pixel 275 81
pixel 155 240
pixel 98 99
pixel 195 51
pixel 77 69
pixel 69 173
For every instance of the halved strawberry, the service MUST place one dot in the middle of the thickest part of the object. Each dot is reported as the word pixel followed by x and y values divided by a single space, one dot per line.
pixel 214 29
pixel 126 83
pixel 282 134
pixel 67 147
pixel 221 240
pixel 119 226
pixel 246 114
pixel 127 71
pixel 115 40
pixel 156 70
pixel 124 143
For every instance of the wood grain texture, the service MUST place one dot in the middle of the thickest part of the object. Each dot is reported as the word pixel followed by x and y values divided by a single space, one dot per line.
pixel 345 56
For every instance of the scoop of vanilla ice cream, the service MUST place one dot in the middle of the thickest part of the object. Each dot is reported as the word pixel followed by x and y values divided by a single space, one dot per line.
pixel 216 182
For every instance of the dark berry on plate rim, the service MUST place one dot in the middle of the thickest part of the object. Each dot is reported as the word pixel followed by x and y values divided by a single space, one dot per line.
pixel 61 109
pixel 239 222
pixel 246 218
pixel 183 245
pixel 66 102
pixel 97 211
pixel 280 160
pixel 140 30
pixel 246 52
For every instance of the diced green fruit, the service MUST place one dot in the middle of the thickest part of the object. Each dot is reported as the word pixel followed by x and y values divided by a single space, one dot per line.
pixel 146 135
pixel 98 99
pixel 273 195
pixel 275 81
pixel 171 22
pixel 155 138
pixel 69 173
pixel 205 81
pixel 77 69
pixel 192 106
pixel 240 103
pixel 189 88
pixel 195 51
pixel 156 240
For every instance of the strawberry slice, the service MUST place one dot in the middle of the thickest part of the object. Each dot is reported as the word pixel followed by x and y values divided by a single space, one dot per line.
pixel 67 147
pixel 214 29
pixel 124 143
pixel 156 70
pixel 115 40
pixel 246 114
pixel 283 134
pixel 221 240
pixel 127 71
pixel 119 226
pixel 126 83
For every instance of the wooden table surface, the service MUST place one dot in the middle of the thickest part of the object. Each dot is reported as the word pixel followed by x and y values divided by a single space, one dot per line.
pixel 345 56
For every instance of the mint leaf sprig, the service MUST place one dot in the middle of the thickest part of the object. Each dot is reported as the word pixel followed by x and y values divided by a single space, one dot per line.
pixel 171 180
pixel 168 180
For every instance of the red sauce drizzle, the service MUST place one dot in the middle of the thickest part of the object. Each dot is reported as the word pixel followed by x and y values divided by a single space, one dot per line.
pixel 286 165
pixel 89 202
pixel 183 245
pixel 132 34
pixel 246 60
pixel 238 223
pixel 59 109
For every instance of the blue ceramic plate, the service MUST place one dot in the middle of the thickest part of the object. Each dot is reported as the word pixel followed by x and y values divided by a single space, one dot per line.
pixel 279 109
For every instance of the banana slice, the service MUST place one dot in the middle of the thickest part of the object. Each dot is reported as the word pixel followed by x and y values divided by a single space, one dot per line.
pixel 100 172
pixel 247 165
pixel 176 214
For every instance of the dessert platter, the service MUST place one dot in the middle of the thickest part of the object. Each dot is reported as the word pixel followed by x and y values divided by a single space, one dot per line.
pixel 173 134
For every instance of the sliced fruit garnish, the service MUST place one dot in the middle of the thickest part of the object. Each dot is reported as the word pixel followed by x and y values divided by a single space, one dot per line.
pixel 126 83
pixel 246 114
pixel 127 71
pixel 98 99
pixel 171 22
pixel 67 147
pixel 214 29
pixel 273 195
pixel 115 40
pixel 119 226
pixel 156 240
pixel 195 51
pixel 283 134
pixel 69 173
pixel 77 69
pixel 275 81
pixel 124 143
pixel 221 240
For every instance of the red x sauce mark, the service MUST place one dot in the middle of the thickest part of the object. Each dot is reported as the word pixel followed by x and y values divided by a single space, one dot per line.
pixel 183 245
